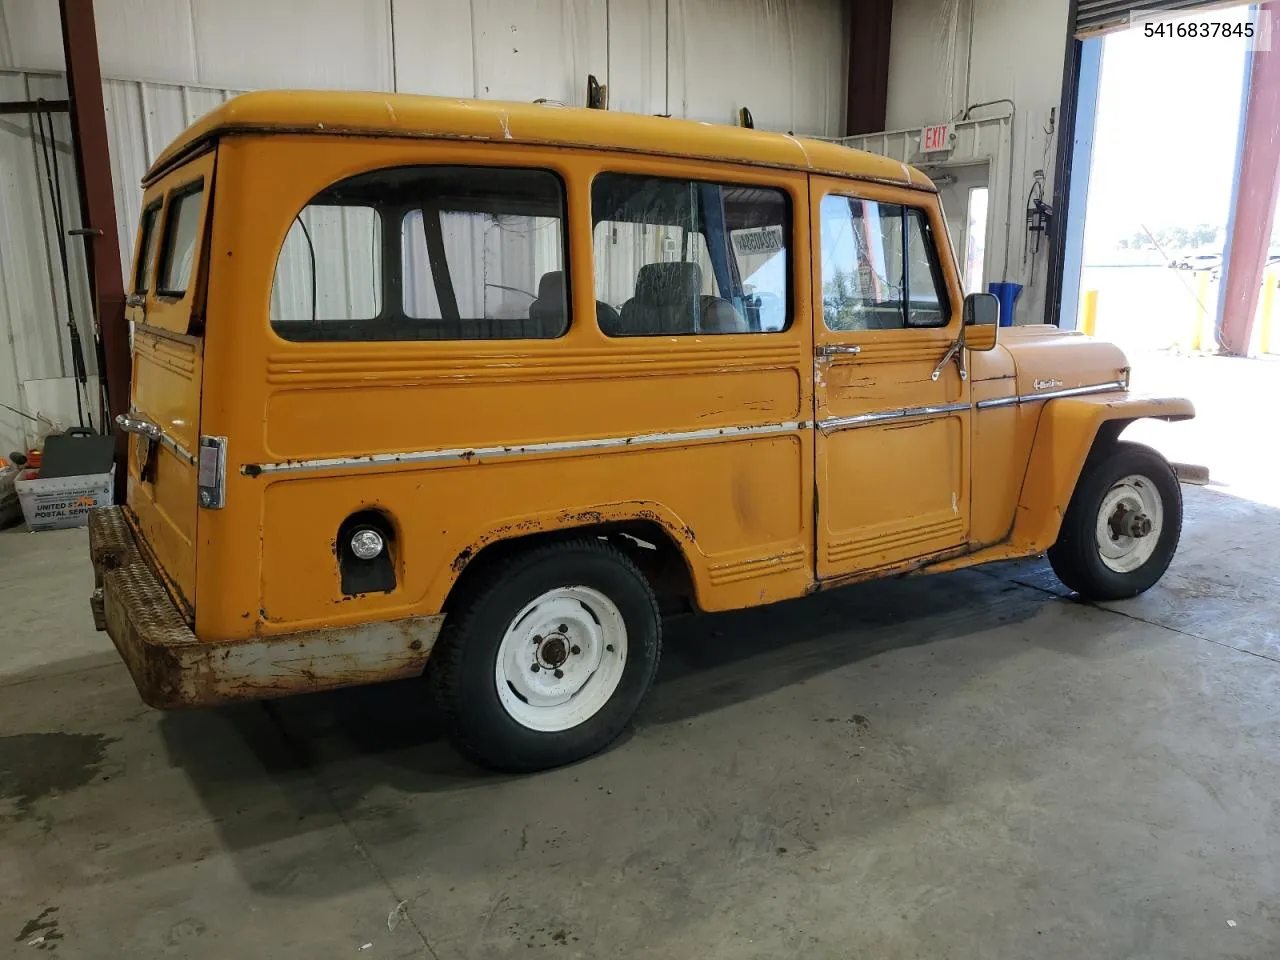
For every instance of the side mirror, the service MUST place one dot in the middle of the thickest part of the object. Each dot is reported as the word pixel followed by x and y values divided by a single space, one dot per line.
pixel 981 321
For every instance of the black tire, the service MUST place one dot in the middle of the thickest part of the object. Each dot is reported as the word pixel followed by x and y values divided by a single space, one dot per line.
pixel 1076 558
pixel 462 665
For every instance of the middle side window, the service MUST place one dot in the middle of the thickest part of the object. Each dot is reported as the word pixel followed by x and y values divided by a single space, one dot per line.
pixel 689 257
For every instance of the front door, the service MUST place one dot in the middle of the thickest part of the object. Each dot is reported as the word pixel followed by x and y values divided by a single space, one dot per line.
pixel 893 417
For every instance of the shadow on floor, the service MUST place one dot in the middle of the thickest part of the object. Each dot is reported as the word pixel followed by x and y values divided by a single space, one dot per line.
pixel 353 743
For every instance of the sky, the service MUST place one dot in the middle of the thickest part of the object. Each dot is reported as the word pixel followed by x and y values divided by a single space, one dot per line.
pixel 1165 141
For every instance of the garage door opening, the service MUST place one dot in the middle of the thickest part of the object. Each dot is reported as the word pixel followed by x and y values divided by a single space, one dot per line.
pixel 1157 223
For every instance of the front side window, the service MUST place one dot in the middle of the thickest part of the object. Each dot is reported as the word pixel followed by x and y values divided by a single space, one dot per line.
pixel 145 271
pixel 880 267
pixel 427 253
pixel 679 257
pixel 182 227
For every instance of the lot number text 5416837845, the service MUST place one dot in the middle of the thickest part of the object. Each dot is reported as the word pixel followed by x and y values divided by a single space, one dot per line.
pixel 1254 30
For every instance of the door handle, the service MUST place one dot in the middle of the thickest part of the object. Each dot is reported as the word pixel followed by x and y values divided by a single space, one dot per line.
pixel 144 428
pixel 954 352
pixel 839 349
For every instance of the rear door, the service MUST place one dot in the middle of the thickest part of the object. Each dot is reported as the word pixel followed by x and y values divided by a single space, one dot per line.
pixel 165 308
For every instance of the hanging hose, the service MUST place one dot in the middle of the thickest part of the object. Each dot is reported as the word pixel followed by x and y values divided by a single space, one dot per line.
pixel 48 150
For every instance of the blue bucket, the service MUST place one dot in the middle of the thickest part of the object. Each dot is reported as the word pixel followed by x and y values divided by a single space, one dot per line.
pixel 1007 294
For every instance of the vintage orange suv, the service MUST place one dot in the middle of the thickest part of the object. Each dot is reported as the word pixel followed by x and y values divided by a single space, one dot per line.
pixel 475 390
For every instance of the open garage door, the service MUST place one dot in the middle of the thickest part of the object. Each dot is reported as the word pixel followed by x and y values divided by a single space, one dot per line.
pixel 1101 16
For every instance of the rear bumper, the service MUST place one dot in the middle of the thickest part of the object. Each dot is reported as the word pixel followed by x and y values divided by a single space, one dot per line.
pixel 172 668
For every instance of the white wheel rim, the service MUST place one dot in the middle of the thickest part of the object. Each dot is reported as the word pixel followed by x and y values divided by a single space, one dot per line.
pixel 542 683
pixel 1123 508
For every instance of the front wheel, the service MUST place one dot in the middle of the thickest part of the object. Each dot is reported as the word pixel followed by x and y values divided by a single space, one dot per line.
pixel 546 661
pixel 1122 526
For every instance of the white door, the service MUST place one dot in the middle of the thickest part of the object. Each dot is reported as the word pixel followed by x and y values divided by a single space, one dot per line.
pixel 964 191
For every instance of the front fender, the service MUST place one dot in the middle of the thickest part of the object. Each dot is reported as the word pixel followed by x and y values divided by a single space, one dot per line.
pixel 1065 434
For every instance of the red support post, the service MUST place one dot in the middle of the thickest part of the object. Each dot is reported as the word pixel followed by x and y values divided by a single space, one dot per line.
pixel 868 65
pixel 1256 195
pixel 98 210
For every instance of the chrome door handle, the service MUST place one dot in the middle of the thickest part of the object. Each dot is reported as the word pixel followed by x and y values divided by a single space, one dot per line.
pixel 838 349
pixel 144 428
pixel 954 352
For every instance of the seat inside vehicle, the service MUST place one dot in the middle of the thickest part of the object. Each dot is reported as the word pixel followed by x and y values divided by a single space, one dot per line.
pixel 669 300
pixel 548 315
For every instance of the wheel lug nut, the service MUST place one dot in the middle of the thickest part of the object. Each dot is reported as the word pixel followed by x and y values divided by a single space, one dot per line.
pixel 535 668
pixel 537 639
pixel 609 647
pixel 575 650
pixel 559 674
pixel 564 628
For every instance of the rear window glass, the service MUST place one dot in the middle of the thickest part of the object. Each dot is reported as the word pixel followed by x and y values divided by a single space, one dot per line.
pixel 182 226
pixel 427 253
pixel 145 271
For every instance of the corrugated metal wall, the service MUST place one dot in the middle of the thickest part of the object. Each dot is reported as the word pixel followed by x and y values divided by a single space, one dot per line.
pixel 142 117
pixel 701 59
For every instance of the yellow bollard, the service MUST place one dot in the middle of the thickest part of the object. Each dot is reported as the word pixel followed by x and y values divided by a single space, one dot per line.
pixel 1089 315
pixel 1270 279
pixel 1202 310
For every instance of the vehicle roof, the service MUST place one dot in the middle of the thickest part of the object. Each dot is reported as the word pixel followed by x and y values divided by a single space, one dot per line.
pixel 409 115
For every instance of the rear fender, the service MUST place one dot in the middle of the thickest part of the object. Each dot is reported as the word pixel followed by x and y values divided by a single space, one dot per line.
pixel 1065 435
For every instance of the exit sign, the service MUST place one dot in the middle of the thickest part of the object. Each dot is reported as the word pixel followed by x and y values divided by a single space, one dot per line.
pixel 935 138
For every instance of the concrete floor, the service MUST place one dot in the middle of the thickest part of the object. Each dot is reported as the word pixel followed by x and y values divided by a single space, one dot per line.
pixel 964 766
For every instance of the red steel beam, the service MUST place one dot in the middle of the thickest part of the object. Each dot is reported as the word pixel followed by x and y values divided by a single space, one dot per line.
pixel 1255 198
pixel 31 106
pixel 98 210
pixel 868 63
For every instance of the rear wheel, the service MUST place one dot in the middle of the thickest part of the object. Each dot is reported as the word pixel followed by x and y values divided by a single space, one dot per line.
pixel 547 659
pixel 1122 525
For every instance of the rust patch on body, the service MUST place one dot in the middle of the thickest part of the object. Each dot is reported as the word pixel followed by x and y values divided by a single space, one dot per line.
pixel 171 667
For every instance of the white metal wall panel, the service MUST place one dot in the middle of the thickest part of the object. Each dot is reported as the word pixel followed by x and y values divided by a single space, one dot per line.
pixel 434 49
pixel 636 71
pixel 331 44
pixel 545 45
pixel 33 33
pixel 782 60
pixel 146 39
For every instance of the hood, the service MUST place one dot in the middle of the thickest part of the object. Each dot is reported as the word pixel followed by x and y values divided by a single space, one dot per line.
pixel 1047 358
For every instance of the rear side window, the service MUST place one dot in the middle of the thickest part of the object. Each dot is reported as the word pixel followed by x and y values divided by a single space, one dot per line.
pixel 427 253
pixel 679 257
pixel 330 268
pixel 182 226
pixel 145 270
pixel 880 267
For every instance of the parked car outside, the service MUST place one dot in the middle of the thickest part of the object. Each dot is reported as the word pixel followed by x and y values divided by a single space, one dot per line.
pixel 1197 261
pixel 1273 260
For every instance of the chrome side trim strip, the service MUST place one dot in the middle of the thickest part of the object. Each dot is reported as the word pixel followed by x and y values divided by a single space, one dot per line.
pixel 494 453
pixel 903 413
pixel 1111 387
pixel 182 452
